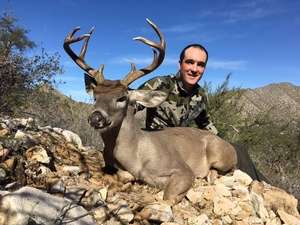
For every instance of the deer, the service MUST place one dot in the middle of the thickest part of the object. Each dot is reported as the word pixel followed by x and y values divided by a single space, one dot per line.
pixel 169 159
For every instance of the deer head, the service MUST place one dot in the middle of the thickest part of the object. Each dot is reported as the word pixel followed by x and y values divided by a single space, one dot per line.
pixel 112 96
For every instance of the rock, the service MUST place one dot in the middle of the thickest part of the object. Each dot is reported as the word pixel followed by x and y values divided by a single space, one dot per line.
pixel 228 181
pixel 3 153
pixel 4 132
pixel 258 204
pixel 274 221
pixel 100 214
pixel 3 174
pixel 223 206
pixel 70 137
pixel 75 170
pixel 275 198
pixel 241 192
pixel 222 190
pixel 120 208
pixel 247 210
pixel 17 207
pixel 169 223
pixel 95 197
pixel 288 218
pixel 217 222
pixel 37 153
pixel 57 187
pixel 74 194
pixel 208 192
pixel 255 220
pixel 226 220
pixel 20 134
pixel 242 177
pixel 200 220
pixel 103 193
pixel 194 196
pixel 158 211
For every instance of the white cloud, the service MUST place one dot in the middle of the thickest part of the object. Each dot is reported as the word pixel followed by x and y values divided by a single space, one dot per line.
pixel 212 63
pixel 142 60
pixel 252 10
pixel 223 64
pixel 181 28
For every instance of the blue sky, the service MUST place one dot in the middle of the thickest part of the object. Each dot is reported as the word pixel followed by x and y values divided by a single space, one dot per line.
pixel 257 41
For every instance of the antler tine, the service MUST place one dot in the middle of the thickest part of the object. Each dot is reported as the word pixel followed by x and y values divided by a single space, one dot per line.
pixel 158 56
pixel 79 60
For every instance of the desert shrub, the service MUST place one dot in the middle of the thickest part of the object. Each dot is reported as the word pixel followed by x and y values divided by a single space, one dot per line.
pixel 20 74
pixel 224 109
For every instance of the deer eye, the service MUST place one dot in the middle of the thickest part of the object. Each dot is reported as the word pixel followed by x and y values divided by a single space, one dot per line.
pixel 122 99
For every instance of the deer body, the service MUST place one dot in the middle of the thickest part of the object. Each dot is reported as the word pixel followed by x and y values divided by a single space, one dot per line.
pixel 169 158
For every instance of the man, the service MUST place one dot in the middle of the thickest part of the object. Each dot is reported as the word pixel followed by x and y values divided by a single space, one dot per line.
pixel 186 105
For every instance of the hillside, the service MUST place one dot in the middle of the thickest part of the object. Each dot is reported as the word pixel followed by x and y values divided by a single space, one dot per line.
pixel 281 100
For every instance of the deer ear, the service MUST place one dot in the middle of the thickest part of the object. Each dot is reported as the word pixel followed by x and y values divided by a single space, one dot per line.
pixel 90 84
pixel 147 98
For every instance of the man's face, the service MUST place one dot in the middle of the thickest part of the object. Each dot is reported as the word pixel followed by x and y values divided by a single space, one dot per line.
pixel 192 66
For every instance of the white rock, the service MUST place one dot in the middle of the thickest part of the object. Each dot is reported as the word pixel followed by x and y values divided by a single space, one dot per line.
pixel 274 221
pixel 241 192
pixel 100 214
pixel 226 220
pixel 70 136
pixel 223 206
pixel 121 208
pixel 255 220
pixel 287 218
pixel 194 196
pixel 72 169
pixel 169 223
pixel 200 220
pixel 222 190
pixel 20 134
pixel 258 204
pixel 103 193
pixel 159 211
pixel 43 207
pixel 242 177
pixel 39 154
pixel 228 181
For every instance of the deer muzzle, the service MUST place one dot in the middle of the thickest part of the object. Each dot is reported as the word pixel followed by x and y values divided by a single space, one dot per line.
pixel 98 121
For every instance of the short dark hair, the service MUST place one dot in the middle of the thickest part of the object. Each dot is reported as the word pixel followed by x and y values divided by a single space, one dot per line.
pixel 182 54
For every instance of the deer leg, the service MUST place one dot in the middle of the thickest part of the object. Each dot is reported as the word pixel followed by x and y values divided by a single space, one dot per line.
pixel 178 184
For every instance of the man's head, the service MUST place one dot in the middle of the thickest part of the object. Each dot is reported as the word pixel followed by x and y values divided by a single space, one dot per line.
pixel 192 63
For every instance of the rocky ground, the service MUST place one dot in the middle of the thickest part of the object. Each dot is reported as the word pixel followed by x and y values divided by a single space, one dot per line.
pixel 48 178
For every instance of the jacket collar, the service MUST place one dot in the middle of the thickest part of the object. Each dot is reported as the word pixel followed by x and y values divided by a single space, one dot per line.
pixel 181 86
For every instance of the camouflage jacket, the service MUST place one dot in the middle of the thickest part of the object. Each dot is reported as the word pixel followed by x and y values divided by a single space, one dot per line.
pixel 181 109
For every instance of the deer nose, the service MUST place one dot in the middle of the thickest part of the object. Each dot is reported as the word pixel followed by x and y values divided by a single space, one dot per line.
pixel 97 120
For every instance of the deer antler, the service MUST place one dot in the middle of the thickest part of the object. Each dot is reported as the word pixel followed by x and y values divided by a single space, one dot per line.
pixel 158 56
pixel 79 60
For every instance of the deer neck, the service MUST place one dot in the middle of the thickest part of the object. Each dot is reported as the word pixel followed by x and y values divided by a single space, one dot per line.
pixel 129 131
